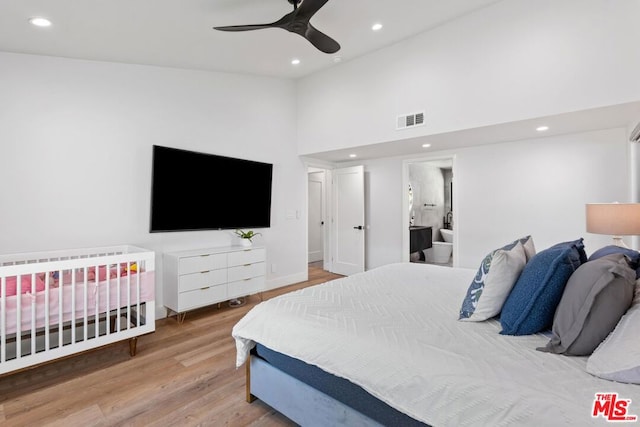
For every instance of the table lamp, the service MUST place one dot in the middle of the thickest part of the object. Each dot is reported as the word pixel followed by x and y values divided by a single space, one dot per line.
pixel 615 219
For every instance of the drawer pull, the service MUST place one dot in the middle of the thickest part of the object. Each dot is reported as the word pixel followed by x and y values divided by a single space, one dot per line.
pixel 247 265
pixel 247 279
pixel 205 255
pixel 204 289
pixel 204 272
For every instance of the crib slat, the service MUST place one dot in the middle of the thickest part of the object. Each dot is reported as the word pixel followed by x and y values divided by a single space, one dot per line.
pixel 138 294
pixel 47 291
pixel 46 316
pixel 85 327
pixel 60 311
pixel 33 313
pixel 118 309
pixel 18 320
pixel 3 322
pixel 73 305
pixel 96 292
pixel 129 300
pixel 108 309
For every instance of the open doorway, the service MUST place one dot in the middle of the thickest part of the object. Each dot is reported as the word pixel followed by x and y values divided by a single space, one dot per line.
pixel 317 180
pixel 335 218
pixel 429 211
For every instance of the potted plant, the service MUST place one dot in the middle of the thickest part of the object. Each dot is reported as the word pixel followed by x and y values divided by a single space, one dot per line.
pixel 246 236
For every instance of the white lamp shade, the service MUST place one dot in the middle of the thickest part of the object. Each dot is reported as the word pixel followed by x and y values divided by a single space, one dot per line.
pixel 616 219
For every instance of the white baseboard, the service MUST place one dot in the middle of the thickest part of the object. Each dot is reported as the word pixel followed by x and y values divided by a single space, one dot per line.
pixel 161 312
pixel 279 282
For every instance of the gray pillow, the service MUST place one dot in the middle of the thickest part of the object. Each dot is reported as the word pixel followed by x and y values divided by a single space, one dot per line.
pixel 596 296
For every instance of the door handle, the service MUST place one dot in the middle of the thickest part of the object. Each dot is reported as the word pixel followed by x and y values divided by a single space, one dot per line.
pixel 359 227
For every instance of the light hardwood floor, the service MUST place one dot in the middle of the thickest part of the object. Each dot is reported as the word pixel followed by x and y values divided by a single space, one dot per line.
pixel 183 375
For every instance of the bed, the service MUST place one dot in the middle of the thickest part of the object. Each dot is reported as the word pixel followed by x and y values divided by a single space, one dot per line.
pixel 387 347
pixel 56 304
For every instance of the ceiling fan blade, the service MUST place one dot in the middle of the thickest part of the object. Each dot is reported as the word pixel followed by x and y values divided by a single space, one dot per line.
pixel 308 8
pixel 297 22
pixel 280 23
pixel 244 27
pixel 320 40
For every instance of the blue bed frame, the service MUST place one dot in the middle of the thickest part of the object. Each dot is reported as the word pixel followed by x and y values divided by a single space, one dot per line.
pixel 311 397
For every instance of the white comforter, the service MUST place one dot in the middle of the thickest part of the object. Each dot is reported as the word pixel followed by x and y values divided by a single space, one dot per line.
pixel 394 331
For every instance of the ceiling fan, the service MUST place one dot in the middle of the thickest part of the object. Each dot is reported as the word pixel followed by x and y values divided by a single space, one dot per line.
pixel 297 22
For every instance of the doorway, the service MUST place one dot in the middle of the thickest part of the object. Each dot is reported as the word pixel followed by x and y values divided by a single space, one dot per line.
pixel 316 216
pixel 428 211
pixel 335 218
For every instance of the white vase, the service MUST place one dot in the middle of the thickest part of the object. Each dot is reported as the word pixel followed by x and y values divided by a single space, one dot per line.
pixel 245 242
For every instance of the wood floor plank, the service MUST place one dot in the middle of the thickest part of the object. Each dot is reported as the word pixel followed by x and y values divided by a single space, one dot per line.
pixel 183 375
pixel 89 416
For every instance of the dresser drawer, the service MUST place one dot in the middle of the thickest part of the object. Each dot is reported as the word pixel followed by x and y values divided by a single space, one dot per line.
pixel 196 278
pixel 198 263
pixel 188 282
pixel 246 287
pixel 201 297
pixel 242 272
pixel 247 256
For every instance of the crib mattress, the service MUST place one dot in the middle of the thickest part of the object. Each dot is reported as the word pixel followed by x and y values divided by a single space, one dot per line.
pixel 68 301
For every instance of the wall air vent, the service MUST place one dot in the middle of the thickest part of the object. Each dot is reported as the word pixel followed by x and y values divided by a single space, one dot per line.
pixel 410 120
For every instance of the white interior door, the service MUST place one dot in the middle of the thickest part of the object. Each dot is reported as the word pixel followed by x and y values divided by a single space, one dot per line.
pixel 316 216
pixel 348 220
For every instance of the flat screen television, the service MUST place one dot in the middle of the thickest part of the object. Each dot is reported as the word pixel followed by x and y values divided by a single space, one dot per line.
pixel 199 191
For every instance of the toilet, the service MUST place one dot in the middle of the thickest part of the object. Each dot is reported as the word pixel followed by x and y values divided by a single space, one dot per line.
pixel 442 252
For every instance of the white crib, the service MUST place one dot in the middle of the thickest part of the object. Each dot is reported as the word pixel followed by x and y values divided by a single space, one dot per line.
pixel 55 304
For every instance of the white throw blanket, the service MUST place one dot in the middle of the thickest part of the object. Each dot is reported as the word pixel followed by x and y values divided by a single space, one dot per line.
pixel 395 332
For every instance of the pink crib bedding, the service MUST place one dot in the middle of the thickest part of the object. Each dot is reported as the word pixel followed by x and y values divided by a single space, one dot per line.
pixel 71 298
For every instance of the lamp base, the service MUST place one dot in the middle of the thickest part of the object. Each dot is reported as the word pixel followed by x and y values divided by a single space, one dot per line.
pixel 617 240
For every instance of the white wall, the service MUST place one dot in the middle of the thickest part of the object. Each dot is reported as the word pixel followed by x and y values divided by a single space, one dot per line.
pixel 508 190
pixel 515 60
pixel 75 153
pixel 538 187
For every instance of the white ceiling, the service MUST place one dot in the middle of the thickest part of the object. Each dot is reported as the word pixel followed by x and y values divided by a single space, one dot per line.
pixel 179 33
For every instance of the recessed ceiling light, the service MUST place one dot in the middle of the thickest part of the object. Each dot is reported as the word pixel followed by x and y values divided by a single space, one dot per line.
pixel 353 155
pixel 376 27
pixel 426 145
pixel 337 58
pixel 542 128
pixel 295 61
pixel 40 22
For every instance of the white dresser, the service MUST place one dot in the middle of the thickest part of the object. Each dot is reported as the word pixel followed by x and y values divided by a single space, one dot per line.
pixel 200 277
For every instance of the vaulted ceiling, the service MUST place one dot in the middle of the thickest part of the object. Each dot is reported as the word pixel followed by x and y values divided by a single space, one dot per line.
pixel 180 34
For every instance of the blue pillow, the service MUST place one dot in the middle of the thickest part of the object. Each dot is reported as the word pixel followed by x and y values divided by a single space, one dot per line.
pixel 530 306
pixel 632 256
pixel 579 246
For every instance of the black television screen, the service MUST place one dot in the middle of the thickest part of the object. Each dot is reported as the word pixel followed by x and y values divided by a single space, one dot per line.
pixel 198 191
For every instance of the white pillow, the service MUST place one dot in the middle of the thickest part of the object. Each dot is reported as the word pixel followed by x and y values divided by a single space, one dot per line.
pixel 529 247
pixel 617 358
pixel 490 288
